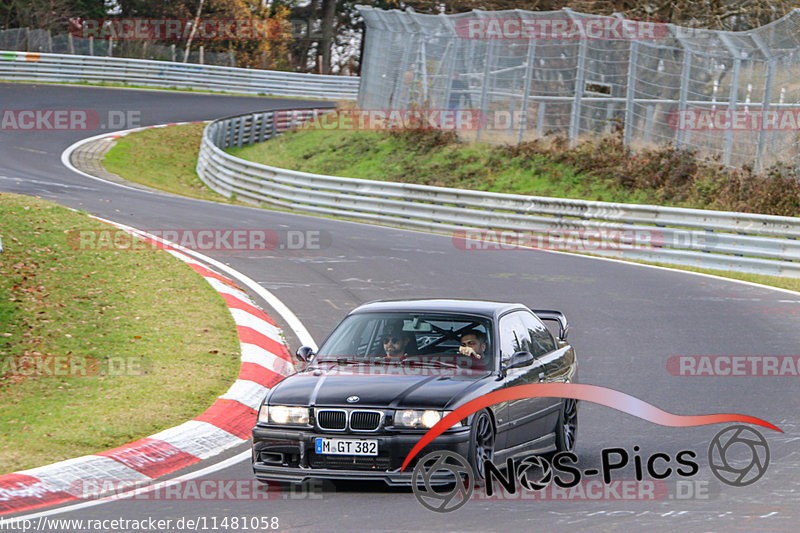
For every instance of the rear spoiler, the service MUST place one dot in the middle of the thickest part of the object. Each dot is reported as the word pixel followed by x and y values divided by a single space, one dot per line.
pixel 556 316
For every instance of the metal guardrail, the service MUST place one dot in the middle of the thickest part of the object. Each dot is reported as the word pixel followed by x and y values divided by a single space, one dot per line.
pixel 720 240
pixel 30 66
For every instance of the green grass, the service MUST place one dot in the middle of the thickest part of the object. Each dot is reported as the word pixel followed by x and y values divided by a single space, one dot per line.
pixel 375 155
pixel 158 342
pixel 300 151
pixel 162 158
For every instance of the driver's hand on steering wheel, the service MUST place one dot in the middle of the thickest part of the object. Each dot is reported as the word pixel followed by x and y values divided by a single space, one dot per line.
pixel 466 350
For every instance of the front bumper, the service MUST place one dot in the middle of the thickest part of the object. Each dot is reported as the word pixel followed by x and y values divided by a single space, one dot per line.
pixel 289 455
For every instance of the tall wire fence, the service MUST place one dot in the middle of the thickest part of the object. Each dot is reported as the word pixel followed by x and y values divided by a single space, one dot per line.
pixel 33 40
pixel 732 96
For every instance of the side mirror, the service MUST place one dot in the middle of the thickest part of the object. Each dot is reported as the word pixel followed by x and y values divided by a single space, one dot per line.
pixel 305 353
pixel 520 359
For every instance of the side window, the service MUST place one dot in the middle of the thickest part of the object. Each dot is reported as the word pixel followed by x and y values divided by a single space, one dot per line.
pixel 541 341
pixel 513 335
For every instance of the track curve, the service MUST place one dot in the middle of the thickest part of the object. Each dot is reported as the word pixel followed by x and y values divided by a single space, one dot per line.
pixel 627 321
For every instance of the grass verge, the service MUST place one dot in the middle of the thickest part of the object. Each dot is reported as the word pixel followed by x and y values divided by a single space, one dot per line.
pixel 162 158
pixel 294 150
pixel 99 347
pixel 602 169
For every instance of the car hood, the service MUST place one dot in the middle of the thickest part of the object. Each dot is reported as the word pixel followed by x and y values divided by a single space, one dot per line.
pixel 332 387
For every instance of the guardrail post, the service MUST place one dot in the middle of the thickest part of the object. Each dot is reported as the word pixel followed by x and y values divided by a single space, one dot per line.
pixel 630 91
pixel 253 128
pixel 231 132
pixel 239 131
pixel 219 134
pixel 263 129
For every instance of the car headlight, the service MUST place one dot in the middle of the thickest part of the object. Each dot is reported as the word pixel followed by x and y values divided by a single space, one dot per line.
pixel 418 418
pixel 281 414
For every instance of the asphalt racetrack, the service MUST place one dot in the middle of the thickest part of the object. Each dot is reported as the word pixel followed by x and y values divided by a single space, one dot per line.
pixel 626 322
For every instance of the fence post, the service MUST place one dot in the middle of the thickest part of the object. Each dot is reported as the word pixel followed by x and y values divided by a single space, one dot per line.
pixel 686 67
pixel 540 119
pixel 758 165
pixel 70 44
pixel 733 95
pixel 424 64
pixel 648 122
pixel 526 94
pixel 448 76
pixel 91 45
pixel 629 92
pixel 172 51
pixel 485 85
pixel 580 77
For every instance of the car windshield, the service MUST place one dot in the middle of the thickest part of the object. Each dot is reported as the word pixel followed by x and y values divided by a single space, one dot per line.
pixel 417 338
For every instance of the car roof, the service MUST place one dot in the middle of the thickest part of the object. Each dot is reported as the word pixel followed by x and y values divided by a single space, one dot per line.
pixel 439 305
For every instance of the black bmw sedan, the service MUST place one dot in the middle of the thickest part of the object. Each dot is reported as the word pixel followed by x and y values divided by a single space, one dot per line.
pixel 392 369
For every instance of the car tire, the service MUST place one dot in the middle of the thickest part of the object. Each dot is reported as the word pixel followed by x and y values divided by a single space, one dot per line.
pixel 567 428
pixel 482 443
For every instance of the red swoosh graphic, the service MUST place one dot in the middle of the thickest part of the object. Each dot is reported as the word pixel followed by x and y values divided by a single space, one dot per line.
pixel 589 393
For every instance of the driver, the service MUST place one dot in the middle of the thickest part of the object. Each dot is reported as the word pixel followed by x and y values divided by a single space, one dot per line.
pixel 395 340
pixel 473 343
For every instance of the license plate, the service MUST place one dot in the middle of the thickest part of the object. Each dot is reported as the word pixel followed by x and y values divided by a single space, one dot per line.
pixel 346 446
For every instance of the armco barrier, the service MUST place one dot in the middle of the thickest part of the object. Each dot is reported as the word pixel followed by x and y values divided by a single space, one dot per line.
pixel 720 240
pixel 29 66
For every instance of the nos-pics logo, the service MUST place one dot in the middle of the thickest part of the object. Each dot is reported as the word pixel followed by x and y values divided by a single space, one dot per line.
pixel 444 481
